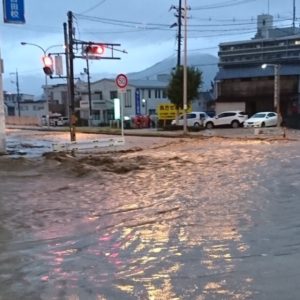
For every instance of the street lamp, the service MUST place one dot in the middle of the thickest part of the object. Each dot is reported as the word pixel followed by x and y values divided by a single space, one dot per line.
pixel 18 91
pixel 276 89
pixel 46 77
pixel 144 101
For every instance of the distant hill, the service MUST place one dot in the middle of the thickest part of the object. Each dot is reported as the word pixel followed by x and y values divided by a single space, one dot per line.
pixel 205 62
pixel 32 84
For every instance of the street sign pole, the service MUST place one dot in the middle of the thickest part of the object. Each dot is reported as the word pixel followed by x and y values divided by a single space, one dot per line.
pixel 122 92
pixel 122 82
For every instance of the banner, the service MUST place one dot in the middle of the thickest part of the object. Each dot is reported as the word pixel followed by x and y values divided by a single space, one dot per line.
pixel 13 11
pixel 137 102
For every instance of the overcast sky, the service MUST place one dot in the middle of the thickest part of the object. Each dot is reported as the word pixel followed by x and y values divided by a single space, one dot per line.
pixel 142 27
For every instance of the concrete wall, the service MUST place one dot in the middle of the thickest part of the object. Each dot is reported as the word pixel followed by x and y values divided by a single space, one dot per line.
pixel 12 120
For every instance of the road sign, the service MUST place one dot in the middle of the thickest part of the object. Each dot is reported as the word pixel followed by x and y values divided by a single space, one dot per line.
pixel 121 81
pixel 13 11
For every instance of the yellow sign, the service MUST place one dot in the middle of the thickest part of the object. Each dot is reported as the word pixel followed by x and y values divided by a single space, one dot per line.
pixel 167 111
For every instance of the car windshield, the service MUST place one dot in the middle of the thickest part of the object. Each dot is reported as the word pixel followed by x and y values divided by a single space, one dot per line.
pixel 259 115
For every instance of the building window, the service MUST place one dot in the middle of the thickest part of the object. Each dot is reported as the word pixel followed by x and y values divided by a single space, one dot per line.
pixel 113 94
pixel 64 96
pixel 99 95
pixel 128 99
pixel 149 93
pixel 157 93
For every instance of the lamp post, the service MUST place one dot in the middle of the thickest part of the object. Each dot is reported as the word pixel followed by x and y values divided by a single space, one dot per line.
pixel 144 101
pixel 276 89
pixel 18 91
pixel 46 77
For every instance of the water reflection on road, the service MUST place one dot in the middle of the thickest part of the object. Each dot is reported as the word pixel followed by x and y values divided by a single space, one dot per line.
pixel 172 223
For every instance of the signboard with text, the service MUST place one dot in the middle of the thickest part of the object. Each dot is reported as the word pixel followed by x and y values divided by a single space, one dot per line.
pixel 167 111
pixel 137 102
pixel 13 11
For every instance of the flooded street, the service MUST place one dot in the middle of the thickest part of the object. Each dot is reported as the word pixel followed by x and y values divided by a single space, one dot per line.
pixel 177 219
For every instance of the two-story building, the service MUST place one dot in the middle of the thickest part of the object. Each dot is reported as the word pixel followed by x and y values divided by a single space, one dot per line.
pixel 140 97
pixel 241 83
pixel 14 103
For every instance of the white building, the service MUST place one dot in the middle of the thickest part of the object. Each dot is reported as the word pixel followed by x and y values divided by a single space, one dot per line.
pixel 32 108
pixel 140 97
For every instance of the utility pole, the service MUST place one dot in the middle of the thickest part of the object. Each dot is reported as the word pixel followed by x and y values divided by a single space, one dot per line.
pixel 71 76
pixel 69 113
pixel 277 93
pixel 185 70
pixel 294 13
pixel 2 113
pixel 178 23
pixel 18 91
pixel 179 34
pixel 89 88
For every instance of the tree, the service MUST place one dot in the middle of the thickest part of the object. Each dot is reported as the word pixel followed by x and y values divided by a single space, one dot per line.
pixel 175 88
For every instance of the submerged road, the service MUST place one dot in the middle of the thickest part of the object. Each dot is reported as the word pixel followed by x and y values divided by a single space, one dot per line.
pixel 180 219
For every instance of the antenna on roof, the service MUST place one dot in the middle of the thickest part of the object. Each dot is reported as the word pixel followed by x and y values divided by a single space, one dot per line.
pixel 268 7
pixel 294 13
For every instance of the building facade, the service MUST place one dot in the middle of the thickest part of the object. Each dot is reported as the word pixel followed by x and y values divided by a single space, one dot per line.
pixel 141 97
pixel 242 83
pixel 14 103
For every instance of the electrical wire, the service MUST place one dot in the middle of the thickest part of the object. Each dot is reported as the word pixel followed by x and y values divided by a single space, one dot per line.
pixel 223 4
pixel 93 7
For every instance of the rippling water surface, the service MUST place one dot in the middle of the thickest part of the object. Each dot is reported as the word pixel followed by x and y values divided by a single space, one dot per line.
pixel 211 219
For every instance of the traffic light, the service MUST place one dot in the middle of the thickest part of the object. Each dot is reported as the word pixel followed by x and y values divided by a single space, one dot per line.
pixel 94 50
pixel 48 65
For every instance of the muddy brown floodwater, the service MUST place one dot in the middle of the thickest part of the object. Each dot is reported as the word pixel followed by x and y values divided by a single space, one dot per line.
pixel 191 219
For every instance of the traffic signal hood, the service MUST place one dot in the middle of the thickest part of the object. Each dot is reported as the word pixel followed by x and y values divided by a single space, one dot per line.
pixel 95 50
pixel 48 65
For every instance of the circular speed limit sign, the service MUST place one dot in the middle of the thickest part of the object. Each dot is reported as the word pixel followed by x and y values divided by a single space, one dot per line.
pixel 121 81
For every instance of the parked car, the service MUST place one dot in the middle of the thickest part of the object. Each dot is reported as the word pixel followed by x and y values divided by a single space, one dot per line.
pixel 62 121
pixel 194 119
pixel 262 119
pixel 234 119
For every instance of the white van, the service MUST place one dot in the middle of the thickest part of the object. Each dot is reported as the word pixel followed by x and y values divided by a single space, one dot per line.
pixel 194 119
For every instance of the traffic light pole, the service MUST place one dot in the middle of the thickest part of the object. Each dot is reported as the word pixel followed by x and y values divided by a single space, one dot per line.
pixel 71 77
pixel 70 41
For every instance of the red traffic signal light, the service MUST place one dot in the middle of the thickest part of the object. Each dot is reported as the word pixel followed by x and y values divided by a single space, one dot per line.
pixel 48 65
pixel 95 50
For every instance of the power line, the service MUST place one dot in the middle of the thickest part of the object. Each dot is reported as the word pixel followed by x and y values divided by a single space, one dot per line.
pixel 223 4
pixel 93 7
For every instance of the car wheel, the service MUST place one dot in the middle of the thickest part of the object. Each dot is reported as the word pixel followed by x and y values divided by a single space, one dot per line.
pixel 235 124
pixel 263 124
pixel 197 125
pixel 209 125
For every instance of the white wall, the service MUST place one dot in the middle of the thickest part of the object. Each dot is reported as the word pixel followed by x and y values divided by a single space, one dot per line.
pixel 225 106
pixel 32 109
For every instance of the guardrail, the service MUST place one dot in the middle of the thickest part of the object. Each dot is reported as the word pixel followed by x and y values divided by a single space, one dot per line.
pixel 86 145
